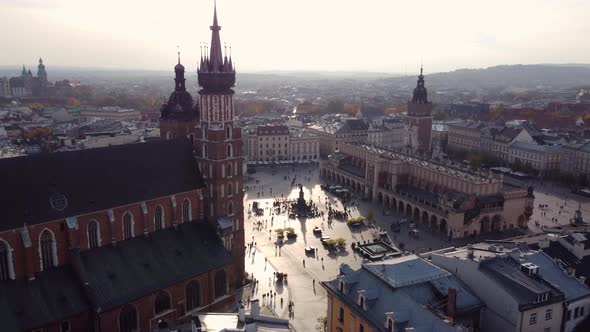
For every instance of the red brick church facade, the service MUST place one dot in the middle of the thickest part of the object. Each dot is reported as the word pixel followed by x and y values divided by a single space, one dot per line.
pixel 129 237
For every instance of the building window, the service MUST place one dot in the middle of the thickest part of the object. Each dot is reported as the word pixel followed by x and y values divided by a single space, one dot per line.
pixel 361 328
pixel 93 234
pixel 341 286
pixel 362 301
pixel 581 311
pixel 127 225
pixel 341 314
pixel 228 132
pixel 389 324
pixel 230 208
pixel 6 270
pixel 220 284
pixel 548 314
pixel 229 189
pixel 186 210
pixel 205 151
pixel 48 250
pixel 159 218
pixel 128 319
pixel 576 312
pixel 533 319
pixel 229 151
pixel 65 326
pixel 193 295
pixel 162 303
pixel 228 172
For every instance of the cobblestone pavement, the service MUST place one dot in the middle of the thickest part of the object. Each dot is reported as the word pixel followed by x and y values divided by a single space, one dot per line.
pixel 562 205
pixel 305 270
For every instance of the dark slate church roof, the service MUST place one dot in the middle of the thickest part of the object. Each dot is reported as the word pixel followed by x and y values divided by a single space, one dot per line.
pixel 119 274
pixel 54 295
pixel 93 180
pixel 114 275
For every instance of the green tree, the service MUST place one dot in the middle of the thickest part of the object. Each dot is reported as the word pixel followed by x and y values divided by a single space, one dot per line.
pixel 322 325
pixel 335 106
pixel 474 162
pixel 440 116
pixel 370 216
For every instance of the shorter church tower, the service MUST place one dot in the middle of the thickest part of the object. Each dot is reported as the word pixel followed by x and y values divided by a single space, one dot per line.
pixel 42 74
pixel 179 115
pixel 419 118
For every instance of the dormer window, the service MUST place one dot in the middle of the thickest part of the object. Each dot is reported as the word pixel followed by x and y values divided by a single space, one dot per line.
pixel 542 298
pixel 362 301
pixel 389 324
pixel 341 286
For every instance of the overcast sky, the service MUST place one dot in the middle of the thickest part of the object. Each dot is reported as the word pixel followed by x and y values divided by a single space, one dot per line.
pixel 343 35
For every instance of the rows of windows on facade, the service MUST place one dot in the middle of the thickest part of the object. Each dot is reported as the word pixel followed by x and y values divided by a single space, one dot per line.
pixel 164 243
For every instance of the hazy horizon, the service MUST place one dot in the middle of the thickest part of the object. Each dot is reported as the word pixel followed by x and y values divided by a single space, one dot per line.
pixel 378 36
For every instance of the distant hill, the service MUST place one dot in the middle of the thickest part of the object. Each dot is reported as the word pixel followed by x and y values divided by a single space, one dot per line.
pixel 551 76
pixel 522 76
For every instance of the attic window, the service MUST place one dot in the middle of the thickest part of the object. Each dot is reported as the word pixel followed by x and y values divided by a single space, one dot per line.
pixel 58 201
pixel 341 286
pixel 362 301
pixel 389 324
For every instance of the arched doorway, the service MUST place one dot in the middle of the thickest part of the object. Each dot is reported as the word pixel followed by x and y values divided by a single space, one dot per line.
pixel 425 218
pixel 409 210
pixel 496 222
pixel 433 222
pixel 401 207
pixel 485 225
pixel 522 221
pixel 443 226
pixel 416 214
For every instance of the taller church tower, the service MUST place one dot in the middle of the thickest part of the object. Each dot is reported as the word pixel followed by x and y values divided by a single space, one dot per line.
pixel 218 148
pixel 419 118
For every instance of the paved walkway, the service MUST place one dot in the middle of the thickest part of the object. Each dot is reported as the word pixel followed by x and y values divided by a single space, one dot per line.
pixel 310 303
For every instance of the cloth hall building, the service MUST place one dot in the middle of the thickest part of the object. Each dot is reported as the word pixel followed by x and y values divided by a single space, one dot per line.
pixel 132 237
pixel 453 201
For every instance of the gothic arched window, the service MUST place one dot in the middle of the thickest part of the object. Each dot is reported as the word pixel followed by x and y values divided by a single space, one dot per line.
pixel 193 295
pixel 6 269
pixel 128 319
pixel 127 225
pixel 220 284
pixel 229 189
pixel 228 132
pixel 47 250
pixel 228 170
pixel 204 150
pixel 229 151
pixel 162 302
pixel 186 210
pixel 159 218
pixel 93 234
pixel 230 208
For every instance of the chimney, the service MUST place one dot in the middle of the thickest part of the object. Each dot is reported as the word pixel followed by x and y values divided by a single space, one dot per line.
pixel 241 313
pixel 255 308
pixel 451 304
